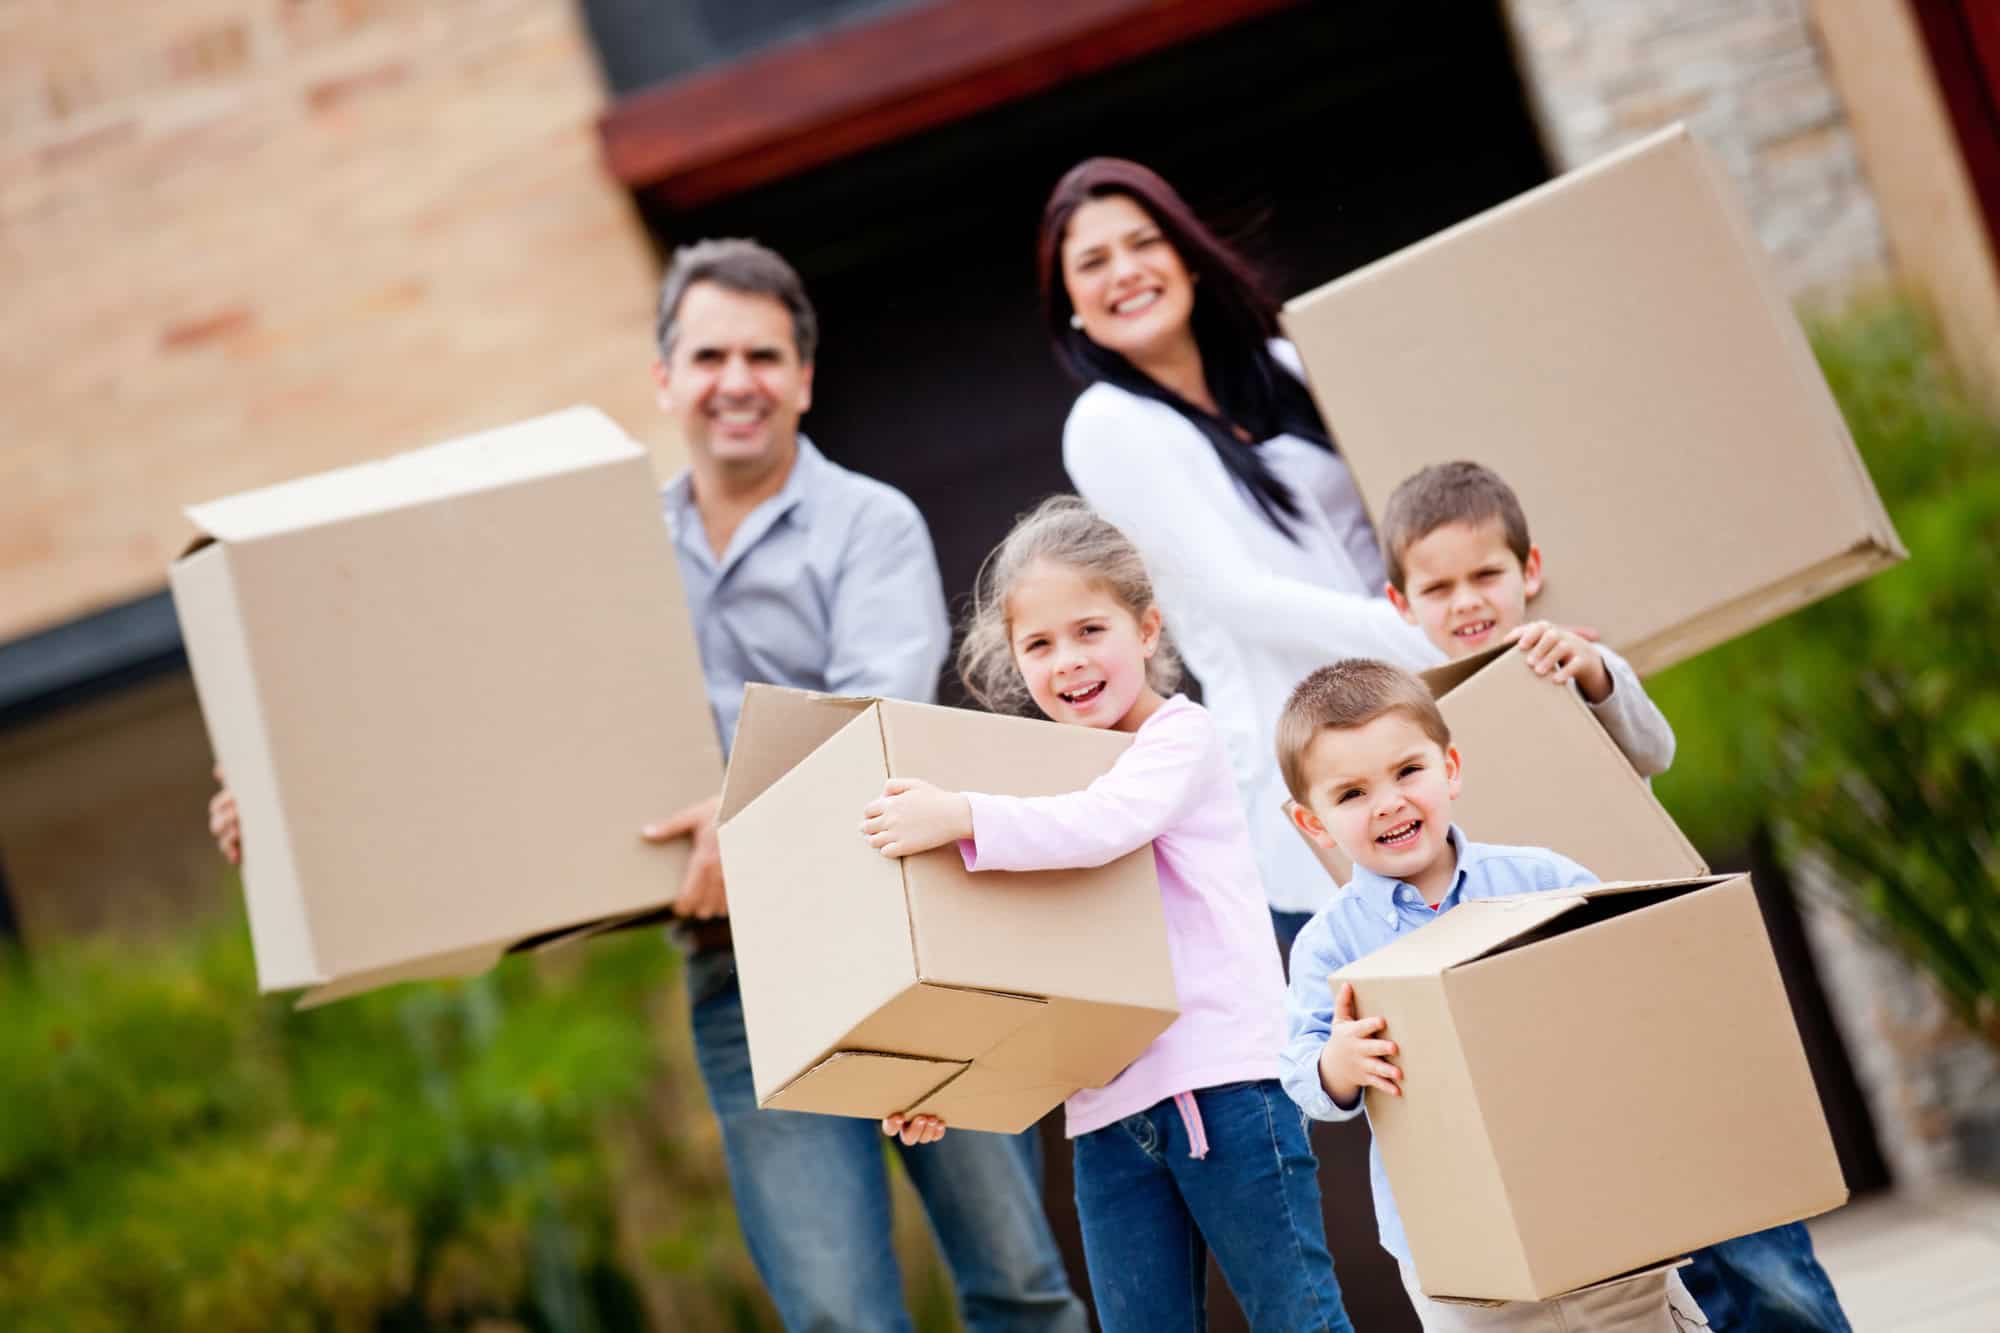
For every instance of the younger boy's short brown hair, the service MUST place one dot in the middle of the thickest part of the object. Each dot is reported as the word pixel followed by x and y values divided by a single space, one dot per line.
pixel 1350 693
pixel 1448 493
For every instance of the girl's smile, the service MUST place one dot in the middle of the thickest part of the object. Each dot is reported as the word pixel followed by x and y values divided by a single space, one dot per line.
pixel 1082 654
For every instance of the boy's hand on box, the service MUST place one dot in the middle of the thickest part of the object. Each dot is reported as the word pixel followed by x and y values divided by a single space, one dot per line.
pixel 702 895
pixel 914 1129
pixel 1563 654
pixel 1356 1056
pixel 912 816
pixel 223 824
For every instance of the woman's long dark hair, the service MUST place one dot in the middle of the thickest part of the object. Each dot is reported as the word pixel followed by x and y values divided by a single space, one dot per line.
pixel 1234 320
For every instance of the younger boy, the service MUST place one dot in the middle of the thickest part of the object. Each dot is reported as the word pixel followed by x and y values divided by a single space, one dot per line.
pixel 1371 769
pixel 1461 569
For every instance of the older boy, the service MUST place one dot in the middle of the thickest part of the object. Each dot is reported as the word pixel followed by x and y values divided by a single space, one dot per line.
pixel 1371 768
pixel 1462 568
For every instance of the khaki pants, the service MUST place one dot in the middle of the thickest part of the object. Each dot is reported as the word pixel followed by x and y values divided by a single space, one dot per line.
pixel 1651 1303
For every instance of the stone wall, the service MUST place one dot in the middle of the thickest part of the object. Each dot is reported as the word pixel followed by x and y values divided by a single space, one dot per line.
pixel 1933 1087
pixel 243 240
pixel 1747 77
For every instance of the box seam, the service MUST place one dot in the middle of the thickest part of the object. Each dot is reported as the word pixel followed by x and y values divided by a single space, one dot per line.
pixel 902 862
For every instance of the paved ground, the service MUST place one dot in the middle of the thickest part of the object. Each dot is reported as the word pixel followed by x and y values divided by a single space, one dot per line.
pixel 1916 1265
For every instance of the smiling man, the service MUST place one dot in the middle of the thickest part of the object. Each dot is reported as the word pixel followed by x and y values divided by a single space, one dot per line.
pixel 802 573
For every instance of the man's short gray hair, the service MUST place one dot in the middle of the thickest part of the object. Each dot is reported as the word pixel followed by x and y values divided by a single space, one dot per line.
pixel 741 266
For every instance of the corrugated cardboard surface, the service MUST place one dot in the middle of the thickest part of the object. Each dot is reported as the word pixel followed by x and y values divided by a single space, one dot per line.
pixel 853 965
pixel 448 689
pixel 821 929
pixel 1612 344
pixel 976 930
pixel 1540 771
pixel 1595 1082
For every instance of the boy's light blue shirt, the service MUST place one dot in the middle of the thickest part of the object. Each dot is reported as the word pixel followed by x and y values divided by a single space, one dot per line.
pixel 1365 915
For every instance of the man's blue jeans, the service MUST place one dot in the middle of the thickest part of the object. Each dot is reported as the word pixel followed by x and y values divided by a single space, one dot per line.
pixel 1766 1282
pixel 1151 1213
pixel 812 1197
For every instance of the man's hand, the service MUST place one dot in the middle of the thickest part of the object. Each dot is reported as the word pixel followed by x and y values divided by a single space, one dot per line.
pixel 223 824
pixel 913 1129
pixel 1564 654
pixel 1354 1056
pixel 912 816
pixel 701 896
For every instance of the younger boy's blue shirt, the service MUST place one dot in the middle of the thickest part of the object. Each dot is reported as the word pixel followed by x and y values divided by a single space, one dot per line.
pixel 1365 915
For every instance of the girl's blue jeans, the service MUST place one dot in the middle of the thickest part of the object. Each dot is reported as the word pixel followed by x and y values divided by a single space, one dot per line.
pixel 1151 1214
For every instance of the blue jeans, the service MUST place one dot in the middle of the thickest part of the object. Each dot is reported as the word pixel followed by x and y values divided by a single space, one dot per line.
pixel 812 1198
pixel 1151 1213
pixel 1287 926
pixel 1768 1282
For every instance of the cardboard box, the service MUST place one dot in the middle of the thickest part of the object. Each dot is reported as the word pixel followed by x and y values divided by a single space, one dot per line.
pixel 447 688
pixel 1613 344
pixel 873 986
pixel 1541 771
pixel 1594 1081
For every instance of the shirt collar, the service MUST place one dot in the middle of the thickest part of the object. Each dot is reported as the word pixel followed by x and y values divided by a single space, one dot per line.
pixel 1379 891
pixel 677 501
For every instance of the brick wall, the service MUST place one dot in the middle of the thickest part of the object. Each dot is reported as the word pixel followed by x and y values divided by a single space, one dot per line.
pixel 1748 78
pixel 242 241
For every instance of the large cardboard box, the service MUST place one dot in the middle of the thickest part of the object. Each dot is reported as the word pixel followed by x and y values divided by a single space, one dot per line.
pixel 873 986
pixel 447 688
pixel 1614 345
pixel 1595 1081
pixel 1540 771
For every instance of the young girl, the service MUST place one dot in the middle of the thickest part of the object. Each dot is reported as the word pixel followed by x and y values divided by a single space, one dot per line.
pixel 1194 1146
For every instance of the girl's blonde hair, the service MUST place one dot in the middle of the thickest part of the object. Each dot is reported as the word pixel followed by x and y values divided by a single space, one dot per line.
pixel 1062 530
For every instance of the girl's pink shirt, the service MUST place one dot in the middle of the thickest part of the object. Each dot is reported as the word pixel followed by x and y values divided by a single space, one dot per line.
pixel 1174 789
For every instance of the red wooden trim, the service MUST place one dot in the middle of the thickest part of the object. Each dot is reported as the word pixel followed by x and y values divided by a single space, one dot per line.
pixel 725 130
pixel 1963 39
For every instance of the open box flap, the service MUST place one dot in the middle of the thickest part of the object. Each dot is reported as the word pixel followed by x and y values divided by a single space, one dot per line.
pixel 778 728
pixel 869 1084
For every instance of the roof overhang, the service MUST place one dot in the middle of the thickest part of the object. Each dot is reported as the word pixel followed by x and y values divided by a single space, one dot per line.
pixel 723 131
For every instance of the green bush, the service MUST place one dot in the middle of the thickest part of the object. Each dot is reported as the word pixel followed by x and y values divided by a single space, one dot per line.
pixel 1865 730
pixel 179 1154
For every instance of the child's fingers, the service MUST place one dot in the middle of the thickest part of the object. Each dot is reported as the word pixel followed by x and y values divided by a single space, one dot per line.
pixel 897 786
pixel 1343 1001
pixel 892 1123
pixel 1382 1069
pixel 1366 1027
pixel 1382 1084
pixel 1382 1047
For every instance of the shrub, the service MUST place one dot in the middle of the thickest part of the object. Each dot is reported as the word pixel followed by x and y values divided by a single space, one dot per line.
pixel 1865 730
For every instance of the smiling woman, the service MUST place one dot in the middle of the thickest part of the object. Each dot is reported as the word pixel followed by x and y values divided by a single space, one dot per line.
pixel 1196 436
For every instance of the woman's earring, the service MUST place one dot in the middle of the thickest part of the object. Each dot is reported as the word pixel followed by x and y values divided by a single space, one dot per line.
pixel 1076 321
